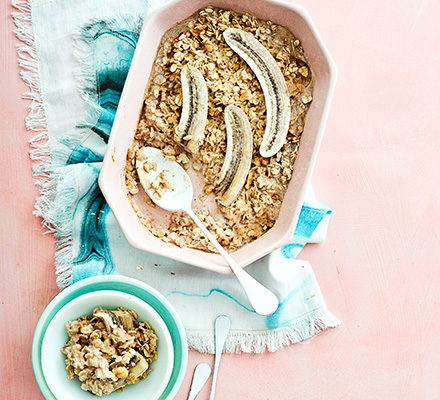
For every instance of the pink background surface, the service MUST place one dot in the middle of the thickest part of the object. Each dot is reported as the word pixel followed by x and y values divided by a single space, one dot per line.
pixel 378 269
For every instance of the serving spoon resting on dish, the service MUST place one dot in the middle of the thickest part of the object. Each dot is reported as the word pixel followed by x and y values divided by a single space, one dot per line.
pixel 169 186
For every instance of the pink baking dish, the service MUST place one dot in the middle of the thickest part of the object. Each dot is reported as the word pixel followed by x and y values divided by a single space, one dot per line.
pixel 111 179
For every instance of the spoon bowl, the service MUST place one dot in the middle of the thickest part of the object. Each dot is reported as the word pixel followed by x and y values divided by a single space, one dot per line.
pixel 176 195
pixel 182 190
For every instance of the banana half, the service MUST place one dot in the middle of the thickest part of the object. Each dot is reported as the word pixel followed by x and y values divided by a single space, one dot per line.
pixel 272 83
pixel 238 158
pixel 191 128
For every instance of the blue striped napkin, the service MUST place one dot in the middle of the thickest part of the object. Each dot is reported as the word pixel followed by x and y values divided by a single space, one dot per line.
pixel 75 57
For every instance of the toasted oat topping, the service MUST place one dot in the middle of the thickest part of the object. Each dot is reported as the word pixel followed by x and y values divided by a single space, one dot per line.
pixel 198 41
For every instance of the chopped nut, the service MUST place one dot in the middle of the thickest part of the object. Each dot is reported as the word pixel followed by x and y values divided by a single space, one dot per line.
pixel 208 189
pixel 304 71
pixel 306 99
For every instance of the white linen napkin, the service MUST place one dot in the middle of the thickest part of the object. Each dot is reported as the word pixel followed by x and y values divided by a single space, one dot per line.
pixel 59 60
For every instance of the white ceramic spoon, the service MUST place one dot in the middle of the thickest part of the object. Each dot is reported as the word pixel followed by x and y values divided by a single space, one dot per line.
pixel 201 375
pixel 262 299
pixel 222 326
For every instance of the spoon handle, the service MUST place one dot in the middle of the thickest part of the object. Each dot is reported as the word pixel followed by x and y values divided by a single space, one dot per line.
pixel 262 299
pixel 222 326
pixel 201 375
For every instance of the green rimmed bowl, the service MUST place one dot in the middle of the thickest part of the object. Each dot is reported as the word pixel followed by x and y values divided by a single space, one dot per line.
pixel 124 285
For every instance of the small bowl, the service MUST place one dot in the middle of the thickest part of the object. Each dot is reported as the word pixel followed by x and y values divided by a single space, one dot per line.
pixel 109 292
pixel 53 361
pixel 111 179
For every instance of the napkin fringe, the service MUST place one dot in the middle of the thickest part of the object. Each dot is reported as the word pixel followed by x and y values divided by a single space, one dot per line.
pixel 312 324
pixel 59 221
pixel 43 167
pixel 29 70
pixel 62 219
pixel 36 119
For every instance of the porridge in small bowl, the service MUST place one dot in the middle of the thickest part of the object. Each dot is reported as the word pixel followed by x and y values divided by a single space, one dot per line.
pixel 109 350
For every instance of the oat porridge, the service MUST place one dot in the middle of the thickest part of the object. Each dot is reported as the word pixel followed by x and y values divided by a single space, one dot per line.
pixel 227 97
pixel 109 350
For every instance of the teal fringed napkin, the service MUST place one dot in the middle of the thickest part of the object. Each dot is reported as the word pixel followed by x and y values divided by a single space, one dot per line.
pixel 75 57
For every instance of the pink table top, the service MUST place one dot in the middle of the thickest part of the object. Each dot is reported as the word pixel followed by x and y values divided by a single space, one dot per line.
pixel 378 269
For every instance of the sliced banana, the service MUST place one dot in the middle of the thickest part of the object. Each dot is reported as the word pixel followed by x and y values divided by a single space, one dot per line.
pixel 238 155
pixel 191 128
pixel 272 83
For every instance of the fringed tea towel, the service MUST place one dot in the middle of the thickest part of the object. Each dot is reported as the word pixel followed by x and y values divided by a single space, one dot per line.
pixel 67 45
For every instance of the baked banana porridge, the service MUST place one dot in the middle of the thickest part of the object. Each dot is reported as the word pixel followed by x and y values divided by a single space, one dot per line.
pixel 227 97
pixel 109 350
